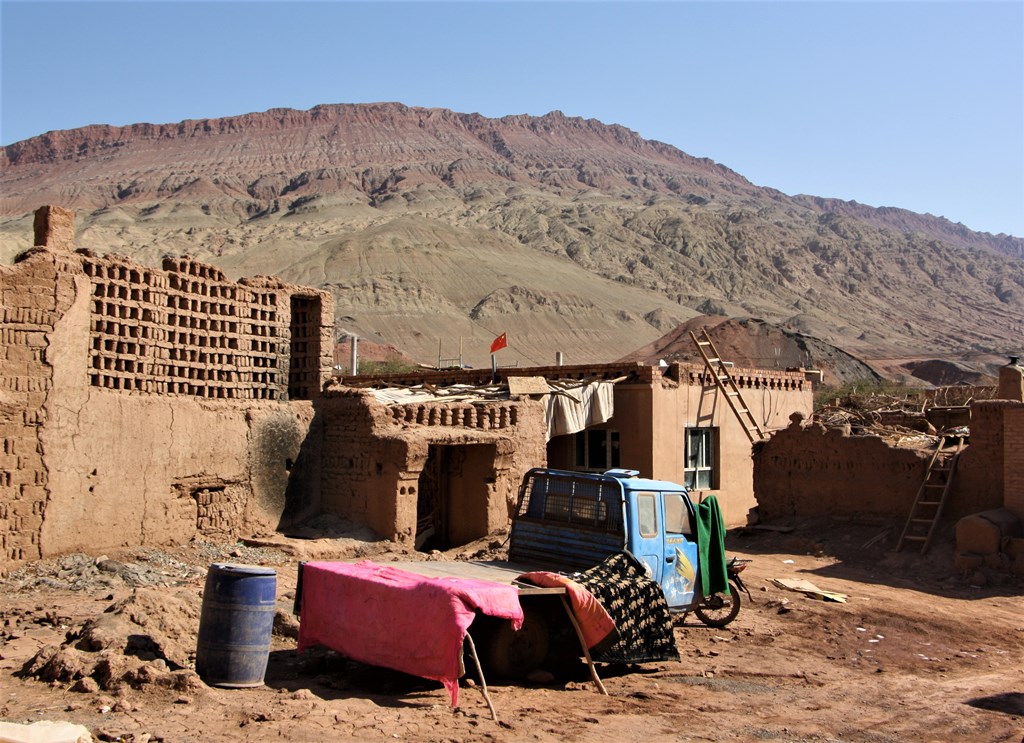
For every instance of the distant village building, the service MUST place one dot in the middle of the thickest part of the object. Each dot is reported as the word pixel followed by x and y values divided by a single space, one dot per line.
pixel 143 406
pixel 153 406
pixel 667 423
pixel 148 406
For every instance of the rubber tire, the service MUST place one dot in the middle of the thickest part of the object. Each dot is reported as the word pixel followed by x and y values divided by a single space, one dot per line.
pixel 512 654
pixel 718 619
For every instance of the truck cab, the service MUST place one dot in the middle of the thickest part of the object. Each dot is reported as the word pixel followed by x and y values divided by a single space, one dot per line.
pixel 574 520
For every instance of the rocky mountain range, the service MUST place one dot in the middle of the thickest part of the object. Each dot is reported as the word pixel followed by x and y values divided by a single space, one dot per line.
pixel 437 230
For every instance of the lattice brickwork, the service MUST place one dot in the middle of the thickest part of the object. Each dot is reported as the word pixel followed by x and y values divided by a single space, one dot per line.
pixel 185 330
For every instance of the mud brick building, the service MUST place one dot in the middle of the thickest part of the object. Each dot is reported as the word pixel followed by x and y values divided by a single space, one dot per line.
pixel 808 470
pixel 147 406
pixel 668 423
pixel 151 406
pixel 431 473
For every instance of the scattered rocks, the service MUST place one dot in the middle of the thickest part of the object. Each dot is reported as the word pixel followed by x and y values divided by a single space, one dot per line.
pixel 86 685
pixel 149 624
pixel 285 624
pixel 147 638
pixel 80 572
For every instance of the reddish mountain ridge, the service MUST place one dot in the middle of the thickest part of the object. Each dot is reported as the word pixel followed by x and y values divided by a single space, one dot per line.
pixel 573 235
pixel 369 148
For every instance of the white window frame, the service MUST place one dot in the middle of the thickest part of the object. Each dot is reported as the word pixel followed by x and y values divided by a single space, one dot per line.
pixel 700 470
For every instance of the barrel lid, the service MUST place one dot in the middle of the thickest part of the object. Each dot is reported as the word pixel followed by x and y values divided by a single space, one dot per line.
pixel 227 567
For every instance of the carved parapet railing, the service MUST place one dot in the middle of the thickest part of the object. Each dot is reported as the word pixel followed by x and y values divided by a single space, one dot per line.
pixel 468 415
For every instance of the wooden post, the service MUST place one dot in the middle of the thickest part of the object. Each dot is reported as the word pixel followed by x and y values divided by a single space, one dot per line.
pixel 354 355
pixel 480 673
pixel 583 644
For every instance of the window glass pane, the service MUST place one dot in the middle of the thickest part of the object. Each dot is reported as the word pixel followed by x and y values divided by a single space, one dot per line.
pixel 677 517
pixel 705 448
pixel 581 450
pixel 615 448
pixel 699 468
pixel 693 437
pixel 647 511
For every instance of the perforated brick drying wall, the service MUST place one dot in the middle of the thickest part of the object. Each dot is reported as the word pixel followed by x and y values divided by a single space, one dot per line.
pixel 143 405
pixel 184 331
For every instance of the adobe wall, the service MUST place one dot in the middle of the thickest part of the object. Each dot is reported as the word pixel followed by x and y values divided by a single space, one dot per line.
pixel 1013 465
pixel 373 456
pixel 811 471
pixel 815 471
pixel 990 473
pixel 145 406
pixel 30 308
pixel 688 401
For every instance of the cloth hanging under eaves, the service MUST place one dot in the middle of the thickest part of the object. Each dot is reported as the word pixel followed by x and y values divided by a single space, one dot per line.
pixel 575 409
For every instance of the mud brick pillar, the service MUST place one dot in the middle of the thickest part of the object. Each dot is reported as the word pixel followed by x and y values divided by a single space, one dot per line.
pixel 55 228
pixel 1011 381
pixel 1013 460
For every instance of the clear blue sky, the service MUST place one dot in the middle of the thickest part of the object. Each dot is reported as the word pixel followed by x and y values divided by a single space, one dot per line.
pixel 912 104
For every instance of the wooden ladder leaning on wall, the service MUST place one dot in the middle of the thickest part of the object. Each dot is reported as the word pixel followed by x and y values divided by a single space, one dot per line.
pixel 725 382
pixel 932 495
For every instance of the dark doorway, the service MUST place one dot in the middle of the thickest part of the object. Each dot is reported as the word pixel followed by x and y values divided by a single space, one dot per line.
pixel 304 357
pixel 452 501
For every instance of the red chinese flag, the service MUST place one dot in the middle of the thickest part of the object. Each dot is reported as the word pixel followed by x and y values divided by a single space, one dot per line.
pixel 499 343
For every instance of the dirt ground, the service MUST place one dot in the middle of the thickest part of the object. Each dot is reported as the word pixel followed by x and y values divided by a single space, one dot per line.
pixel 917 653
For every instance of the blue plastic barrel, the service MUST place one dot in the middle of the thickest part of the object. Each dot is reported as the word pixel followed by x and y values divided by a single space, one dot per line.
pixel 236 624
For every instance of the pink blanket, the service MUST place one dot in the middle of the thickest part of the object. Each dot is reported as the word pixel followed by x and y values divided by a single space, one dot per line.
pixel 594 621
pixel 388 617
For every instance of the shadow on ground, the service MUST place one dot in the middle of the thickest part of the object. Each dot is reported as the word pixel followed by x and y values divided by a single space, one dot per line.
pixel 864 550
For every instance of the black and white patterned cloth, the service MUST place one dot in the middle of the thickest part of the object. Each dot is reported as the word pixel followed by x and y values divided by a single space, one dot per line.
pixel 638 606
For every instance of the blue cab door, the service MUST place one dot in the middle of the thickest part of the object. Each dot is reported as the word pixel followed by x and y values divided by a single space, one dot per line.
pixel 645 539
pixel 682 565
pixel 663 535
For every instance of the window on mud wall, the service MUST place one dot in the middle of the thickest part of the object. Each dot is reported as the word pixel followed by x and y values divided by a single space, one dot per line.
pixel 701 454
pixel 597 450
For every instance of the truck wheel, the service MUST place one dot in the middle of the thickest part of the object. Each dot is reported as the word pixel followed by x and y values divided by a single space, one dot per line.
pixel 718 610
pixel 514 654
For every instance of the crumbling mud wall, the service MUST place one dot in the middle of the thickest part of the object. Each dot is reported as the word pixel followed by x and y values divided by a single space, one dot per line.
pixel 147 406
pixel 990 473
pixel 375 457
pixel 817 471
pixel 32 302
pixel 812 471
pixel 1013 464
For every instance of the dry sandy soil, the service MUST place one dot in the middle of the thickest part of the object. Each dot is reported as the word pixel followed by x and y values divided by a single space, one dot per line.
pixel 917 653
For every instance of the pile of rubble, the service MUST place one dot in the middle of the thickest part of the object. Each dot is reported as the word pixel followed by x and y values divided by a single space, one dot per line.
pixel 140 567
pixel 148 637
pixel 80 572
pixel 913 419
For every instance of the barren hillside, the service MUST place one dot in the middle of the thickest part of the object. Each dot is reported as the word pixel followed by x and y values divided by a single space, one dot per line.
pixel 568 234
